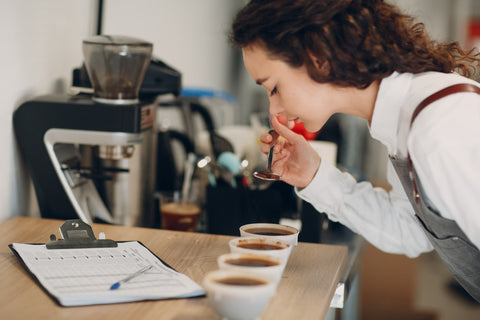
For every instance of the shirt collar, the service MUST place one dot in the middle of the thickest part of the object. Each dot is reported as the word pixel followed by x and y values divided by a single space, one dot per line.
pixel 390 98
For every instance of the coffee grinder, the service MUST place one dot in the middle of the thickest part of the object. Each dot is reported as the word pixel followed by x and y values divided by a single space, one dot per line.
pixel 93 156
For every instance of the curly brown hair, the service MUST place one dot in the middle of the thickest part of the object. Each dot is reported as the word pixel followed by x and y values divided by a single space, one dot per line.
pixel 362 40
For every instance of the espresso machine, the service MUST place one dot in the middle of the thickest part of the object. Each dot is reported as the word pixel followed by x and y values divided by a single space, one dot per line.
pixel 92 156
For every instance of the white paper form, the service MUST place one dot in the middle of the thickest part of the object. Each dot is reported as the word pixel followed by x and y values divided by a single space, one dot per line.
pixel 84 276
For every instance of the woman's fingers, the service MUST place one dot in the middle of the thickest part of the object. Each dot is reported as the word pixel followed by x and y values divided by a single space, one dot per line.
pixel 265 148
pixel 283 120
pixel 272 138
pixel 284 131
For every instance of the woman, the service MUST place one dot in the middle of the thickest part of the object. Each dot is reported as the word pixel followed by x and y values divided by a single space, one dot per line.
pixel 316 58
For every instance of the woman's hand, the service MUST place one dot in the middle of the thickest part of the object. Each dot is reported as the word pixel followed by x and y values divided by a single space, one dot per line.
pixel 293 158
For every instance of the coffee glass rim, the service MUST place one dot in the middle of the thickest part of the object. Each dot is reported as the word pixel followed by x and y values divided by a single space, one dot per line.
pixel 177 196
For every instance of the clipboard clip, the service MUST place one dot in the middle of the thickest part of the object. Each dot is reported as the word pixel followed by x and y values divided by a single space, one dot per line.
pixel 77 234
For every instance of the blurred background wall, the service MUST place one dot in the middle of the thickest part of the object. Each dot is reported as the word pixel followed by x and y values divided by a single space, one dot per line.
pixel 41 44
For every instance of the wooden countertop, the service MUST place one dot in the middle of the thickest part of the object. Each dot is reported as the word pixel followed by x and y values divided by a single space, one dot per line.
pixel 305 291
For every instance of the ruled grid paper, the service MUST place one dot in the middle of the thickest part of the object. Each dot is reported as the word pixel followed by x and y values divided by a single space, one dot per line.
pixel 84 276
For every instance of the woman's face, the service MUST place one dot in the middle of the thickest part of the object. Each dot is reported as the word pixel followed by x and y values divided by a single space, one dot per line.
pixel 291 91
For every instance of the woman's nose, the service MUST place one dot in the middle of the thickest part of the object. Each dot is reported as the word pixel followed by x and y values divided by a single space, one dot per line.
pixel 275 108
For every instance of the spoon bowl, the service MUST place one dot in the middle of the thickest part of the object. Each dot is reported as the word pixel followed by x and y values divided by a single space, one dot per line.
pixel 267 176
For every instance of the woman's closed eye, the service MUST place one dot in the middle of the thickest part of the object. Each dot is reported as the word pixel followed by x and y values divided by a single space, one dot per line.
pixel 274 91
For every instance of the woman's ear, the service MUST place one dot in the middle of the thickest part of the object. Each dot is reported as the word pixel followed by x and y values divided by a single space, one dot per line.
pixel 322 66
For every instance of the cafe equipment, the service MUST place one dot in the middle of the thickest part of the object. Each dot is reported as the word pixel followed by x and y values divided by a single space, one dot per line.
pixel 181 121
pixel 93 156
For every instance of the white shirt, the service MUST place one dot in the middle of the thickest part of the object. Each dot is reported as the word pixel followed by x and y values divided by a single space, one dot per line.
pixel 444 145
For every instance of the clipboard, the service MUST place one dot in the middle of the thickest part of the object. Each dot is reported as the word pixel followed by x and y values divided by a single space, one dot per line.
pixel 79 269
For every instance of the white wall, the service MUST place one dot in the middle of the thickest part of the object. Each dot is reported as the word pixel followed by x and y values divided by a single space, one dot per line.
pixel 41 44
pixel 190 35
pixel 435 14
pixel 444 19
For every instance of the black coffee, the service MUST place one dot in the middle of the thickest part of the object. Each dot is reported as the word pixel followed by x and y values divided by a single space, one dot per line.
pixel 239 281
pixel 259 246
pixel 269 231
pixel 251 262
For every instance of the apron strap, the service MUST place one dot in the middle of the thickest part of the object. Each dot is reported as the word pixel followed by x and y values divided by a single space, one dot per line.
pixel 462 87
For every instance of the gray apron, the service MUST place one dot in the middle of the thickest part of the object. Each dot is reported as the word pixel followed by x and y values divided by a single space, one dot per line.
pixel 458 253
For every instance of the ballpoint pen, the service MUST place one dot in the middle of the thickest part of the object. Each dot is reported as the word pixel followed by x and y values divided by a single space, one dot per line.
pixel 117 284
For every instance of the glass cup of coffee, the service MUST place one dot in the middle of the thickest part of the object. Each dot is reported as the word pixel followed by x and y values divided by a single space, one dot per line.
pixel 250 262
pixel 271 230
pixel 178 213
pixel 261 245
pixel 238 295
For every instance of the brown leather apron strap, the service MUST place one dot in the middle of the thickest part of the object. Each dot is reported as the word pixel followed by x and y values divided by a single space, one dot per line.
pixel 462 87
pixel 456 88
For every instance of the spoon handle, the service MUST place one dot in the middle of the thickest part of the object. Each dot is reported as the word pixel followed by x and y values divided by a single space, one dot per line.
pixel 270 158
pixel 270 153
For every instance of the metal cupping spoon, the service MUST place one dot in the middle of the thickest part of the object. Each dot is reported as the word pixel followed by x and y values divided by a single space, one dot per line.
pixel 268 173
